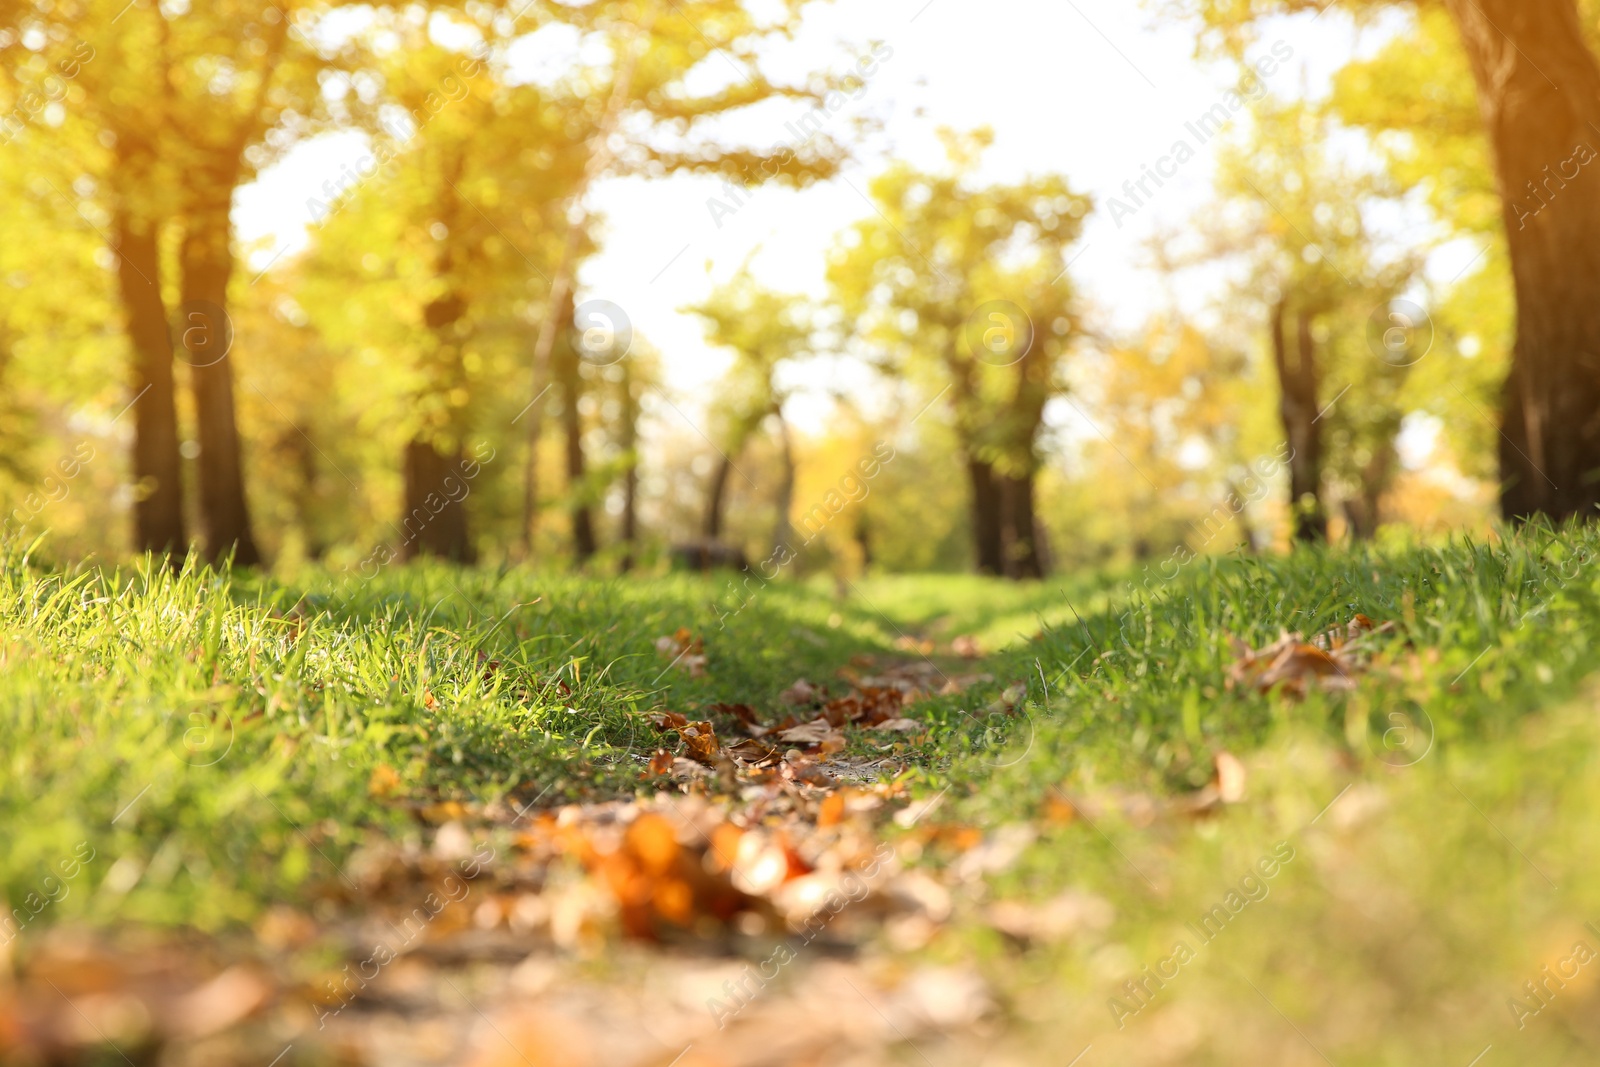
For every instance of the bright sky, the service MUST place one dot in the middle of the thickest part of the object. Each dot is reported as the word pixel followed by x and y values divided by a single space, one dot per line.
pixel 1092 89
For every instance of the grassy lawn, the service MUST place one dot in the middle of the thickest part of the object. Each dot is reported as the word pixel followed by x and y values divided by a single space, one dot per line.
pixel 1095 832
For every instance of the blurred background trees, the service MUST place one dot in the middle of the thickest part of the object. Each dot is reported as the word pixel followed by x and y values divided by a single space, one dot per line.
pixel 431 369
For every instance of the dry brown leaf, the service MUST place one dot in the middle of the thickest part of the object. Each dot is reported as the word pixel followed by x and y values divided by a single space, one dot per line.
pixel 1293 664
pixel 1230 778
pixel 743 712
pixel 701 741
pixel 685 650
pixel 920 645
pixel 900 725
pixel 670 720
pixel 801 692
pixel 752 751
pixel 384 781
pixel 809 733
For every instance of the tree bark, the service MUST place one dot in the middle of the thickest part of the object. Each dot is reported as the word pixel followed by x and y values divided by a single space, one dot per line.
pixel 205 336
pixel 157 469
pixel 1020 524
pixel 1021 541
pixel 717 499
pixel 1297 406
pixel 987 517
pixel 1539 92
pixel 434 522
pixel 630 476
pixel 298 444
pixel 1364 510
pixel 435 519
pixel 584 543
pixel 782 527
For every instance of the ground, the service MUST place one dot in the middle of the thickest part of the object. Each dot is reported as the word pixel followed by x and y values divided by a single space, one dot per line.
pixel 1326 808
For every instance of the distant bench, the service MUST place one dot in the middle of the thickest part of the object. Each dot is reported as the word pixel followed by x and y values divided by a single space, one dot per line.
pixel 708 556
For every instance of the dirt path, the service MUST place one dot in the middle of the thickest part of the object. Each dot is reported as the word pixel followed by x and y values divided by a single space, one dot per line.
pixel 758 903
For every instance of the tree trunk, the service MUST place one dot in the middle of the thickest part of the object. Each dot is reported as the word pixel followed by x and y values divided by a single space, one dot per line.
pixel 435 519
pixel 1020 536
pixel 436 482
pixel 298 444
pixel 1363 511
pixel 570 380
pixel 1246 528
pixel 1539 91
pixel 630 476
pixel 783 527
pixel 205 336
pixel 1297 378
pixel 717 499
pixel 987 515
pixel 157 469
pixel 863 535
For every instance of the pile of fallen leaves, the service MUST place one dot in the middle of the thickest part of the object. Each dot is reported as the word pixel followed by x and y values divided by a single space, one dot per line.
pixel 803 742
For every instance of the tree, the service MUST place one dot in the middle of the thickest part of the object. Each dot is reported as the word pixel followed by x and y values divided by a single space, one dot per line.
pixel 768 333
pixel 1294 222
pixel 642 118
pixel 181 101
pixel 116 137
pixel 433 259
pixel 1538 86
pixel 965 286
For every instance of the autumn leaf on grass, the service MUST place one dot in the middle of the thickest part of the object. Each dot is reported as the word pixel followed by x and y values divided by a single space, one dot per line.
pixel 1007 701
pixel 920 645
pixel 1230 778
pixel 1291 663
pixel 1349 638
pixel 802 768
pixel 1227 786
pixel 899 725
pixel 801 692
pixel 685 651
pixel 702 744
pixel 744 713
pixel 670 720
pixel 752 751
pixel 384 782
pixel 814 732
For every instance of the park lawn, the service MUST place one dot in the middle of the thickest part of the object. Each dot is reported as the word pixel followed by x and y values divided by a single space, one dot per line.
pixel 222 757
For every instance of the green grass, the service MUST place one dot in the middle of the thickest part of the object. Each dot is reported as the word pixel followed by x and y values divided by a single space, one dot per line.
pixel 210 738
pixel 219 732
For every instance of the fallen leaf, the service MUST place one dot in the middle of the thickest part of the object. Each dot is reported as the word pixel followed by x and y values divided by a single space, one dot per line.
pixel 701 741
pixel 384 781
pixel 743 712
pixel 750 750
pixel 801 692
pixel 902 725
pixel 653 842
pixel 1230 778
pixel 685 650
pixel 809 733
pixel 1293 664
